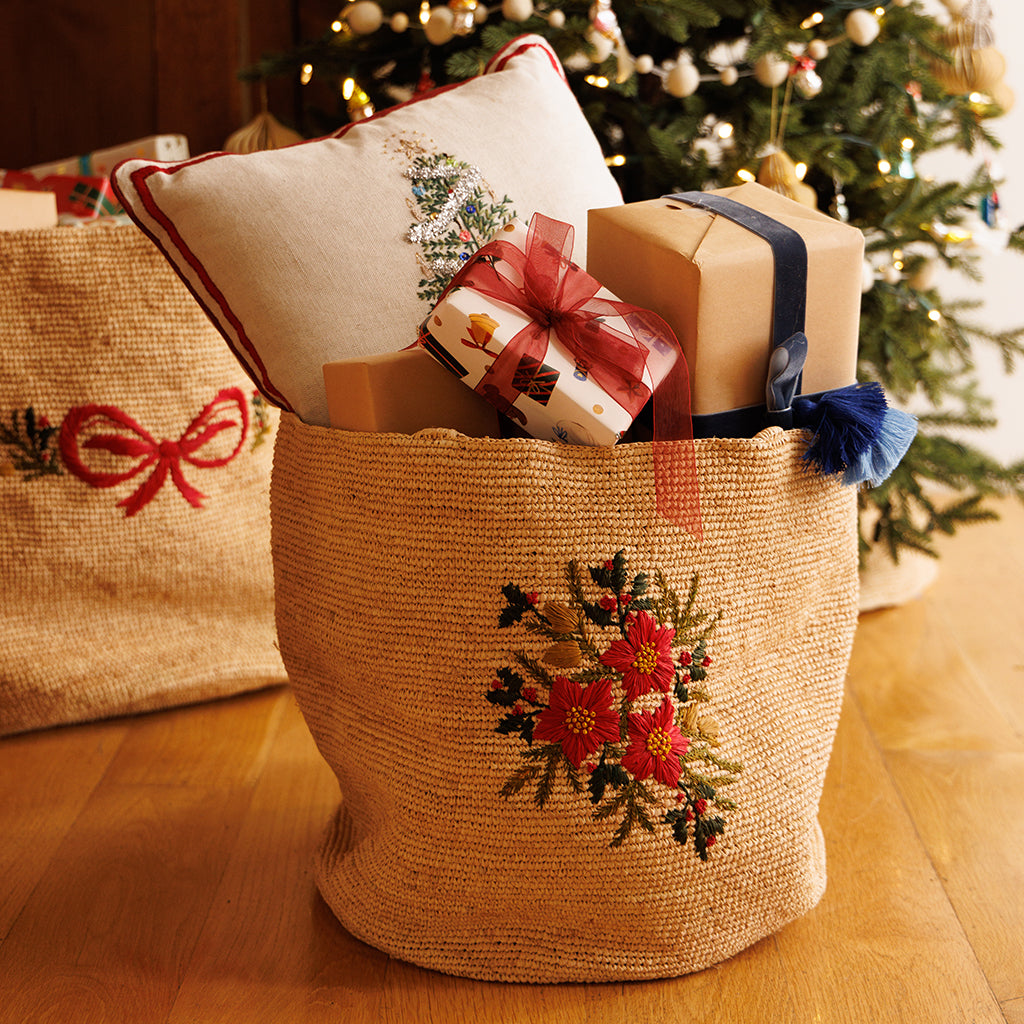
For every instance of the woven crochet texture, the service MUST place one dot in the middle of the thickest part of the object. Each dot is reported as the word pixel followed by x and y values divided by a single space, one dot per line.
pixel 102 613
pixel 390 554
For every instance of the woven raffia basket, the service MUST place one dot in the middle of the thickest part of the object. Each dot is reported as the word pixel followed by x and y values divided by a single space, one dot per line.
pixel 510 809
pixel 135 566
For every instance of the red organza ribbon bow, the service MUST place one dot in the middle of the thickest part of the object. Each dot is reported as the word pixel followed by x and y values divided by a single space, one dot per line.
pixel 84 428
pixel 556 295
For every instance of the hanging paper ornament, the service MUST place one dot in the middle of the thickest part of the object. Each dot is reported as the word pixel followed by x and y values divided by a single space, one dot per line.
pixel 463 16
pixel 728 76
pixel 861 27
pixel 363 17
pixel 1002 96
pixel 516 10
pixel 264 131
pixel 644 64
pixel 556 19
pixel 778 172
pixel 399 22
pixel 806 80
pixel 771 70
pixel 977 66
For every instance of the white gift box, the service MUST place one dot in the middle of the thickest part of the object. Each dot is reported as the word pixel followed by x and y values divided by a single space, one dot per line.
pixel 556 397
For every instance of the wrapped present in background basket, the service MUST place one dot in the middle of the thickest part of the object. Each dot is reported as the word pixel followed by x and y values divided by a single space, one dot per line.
pixel 135 564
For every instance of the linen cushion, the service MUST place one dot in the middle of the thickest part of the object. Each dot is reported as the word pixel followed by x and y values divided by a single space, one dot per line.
pixel 304 255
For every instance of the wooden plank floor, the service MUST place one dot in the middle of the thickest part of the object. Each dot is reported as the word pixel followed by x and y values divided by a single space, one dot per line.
pixel 157 869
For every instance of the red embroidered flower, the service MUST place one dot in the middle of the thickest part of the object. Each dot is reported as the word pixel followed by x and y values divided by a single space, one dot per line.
pixel 655 745
pixel 580 718
pixel 644 658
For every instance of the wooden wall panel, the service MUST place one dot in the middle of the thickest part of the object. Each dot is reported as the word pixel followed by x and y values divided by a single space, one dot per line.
pixel 78 75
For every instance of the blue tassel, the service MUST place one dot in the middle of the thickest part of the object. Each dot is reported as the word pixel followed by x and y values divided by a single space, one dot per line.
pixel 876 463
pixel 846 423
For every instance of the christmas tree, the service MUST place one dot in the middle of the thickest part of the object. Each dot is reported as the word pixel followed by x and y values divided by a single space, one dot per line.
pixel 832 104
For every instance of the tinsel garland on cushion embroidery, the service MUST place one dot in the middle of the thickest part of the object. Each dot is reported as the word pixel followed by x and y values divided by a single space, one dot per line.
pixel 103 446
pixel 621 722
pixel 456 214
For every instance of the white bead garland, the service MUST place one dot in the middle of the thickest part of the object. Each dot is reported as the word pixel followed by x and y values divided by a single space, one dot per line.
pixel 862 27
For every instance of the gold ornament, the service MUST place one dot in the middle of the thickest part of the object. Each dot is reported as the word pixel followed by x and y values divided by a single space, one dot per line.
pixel 463 16
pixel 357 103
pixel 778 172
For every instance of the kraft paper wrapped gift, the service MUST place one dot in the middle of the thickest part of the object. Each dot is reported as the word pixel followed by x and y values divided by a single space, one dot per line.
pixel 546 389
pixel 402 393
pixel 711 280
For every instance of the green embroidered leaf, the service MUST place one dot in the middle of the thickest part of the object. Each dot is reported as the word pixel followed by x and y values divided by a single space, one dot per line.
pixel 517 605
pixel 605 775
pixel 598 615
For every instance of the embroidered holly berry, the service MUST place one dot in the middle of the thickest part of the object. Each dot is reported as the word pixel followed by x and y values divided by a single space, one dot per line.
pixel 624 599
pixel 707 661
pixel 609 564
pixel 533 597
pixel 710 840
pixel 608 603
pixel 495 684
pixel 530 694
pixel 517 709
pixel 700 805
pixel 686 658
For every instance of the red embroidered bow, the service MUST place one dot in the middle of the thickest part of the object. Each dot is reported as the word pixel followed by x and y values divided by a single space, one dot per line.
pixel 555 294
pixel 77 432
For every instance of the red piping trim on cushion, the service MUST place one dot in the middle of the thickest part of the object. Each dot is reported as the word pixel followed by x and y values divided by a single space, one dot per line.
pixel 508 52
pixel 519 45
pixel 138 179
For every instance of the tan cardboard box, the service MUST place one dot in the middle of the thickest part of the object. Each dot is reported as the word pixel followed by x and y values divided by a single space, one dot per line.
pixel 403 392
pixel 712 281
pixel 21 209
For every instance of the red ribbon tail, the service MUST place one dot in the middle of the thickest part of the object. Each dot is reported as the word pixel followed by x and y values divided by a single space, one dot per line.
pixel 676 484
pixel 193 496
pixel 145 493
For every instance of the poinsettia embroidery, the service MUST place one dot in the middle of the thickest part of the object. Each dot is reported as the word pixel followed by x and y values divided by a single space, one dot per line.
pixel 627 713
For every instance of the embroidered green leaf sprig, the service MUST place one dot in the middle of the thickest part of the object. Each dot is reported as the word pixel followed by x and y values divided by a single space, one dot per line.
pixel 29 439
pixel 616 696
pixel 457 216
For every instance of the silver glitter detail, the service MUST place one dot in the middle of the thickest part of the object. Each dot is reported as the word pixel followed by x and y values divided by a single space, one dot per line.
pixel 445 267
pixel 467 178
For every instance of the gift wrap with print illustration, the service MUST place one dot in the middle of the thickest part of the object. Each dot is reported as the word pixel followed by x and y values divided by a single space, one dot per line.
pixel 553 396
pixel 712 281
